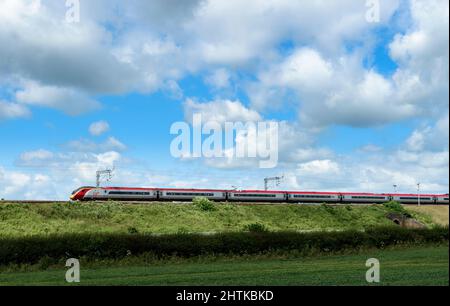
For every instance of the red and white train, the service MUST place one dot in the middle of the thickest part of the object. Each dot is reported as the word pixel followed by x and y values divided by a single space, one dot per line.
pixel 164 194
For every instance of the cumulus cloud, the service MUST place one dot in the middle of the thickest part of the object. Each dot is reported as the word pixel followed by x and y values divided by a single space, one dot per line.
pixel 98 128
pixel 422 55
pixel 329 88
pixel 334 91
pixel 84 145
pixel 13 110
pixel 220 111
pixel 223 33
pixel 219 78
pixel 318 167
pixel 68 100
pixel 430 137
pixel 161 42
pixel 31 156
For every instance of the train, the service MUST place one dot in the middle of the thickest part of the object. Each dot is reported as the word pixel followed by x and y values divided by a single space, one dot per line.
pixel 250 196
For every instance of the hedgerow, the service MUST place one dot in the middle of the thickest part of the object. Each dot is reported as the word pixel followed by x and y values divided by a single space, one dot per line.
pixel 30 250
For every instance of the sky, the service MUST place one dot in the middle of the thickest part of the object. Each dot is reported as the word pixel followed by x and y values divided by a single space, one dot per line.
pixel 359 90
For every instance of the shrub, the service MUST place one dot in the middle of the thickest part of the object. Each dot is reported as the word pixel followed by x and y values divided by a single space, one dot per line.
pixel 204 204
pixel 132 230
pixel 328 208
pixel 256 228
pixel 182 231
pixel 394 206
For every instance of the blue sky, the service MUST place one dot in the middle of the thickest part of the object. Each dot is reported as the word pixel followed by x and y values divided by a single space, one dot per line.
pixel 361 105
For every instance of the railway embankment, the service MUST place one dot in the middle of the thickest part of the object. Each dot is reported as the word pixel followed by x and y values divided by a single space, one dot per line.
pixel 22 219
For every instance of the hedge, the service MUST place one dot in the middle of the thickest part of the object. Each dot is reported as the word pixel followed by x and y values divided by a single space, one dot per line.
pixel 115 246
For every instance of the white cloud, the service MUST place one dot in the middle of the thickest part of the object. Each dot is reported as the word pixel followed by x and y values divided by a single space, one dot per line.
pixel 319 167
pixel 422 55
pixel 84 145
pixel 223 33
pixel 305 69
pixel 219 78
pixel 70 101
pixel 370 148
pixel 427 41
pixel 334 91
pixel 98 128
pixel 220 111
pixel 330 88
pixel 150 45
pixel 36 155
pixel 13 110
pixel 430 137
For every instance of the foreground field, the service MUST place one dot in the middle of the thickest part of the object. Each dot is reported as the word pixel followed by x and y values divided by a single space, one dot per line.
pixel 405 266
pixel 27 219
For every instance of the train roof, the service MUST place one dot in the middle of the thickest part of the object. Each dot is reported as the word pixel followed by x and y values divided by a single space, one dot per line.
pixel 258 191
pixel 193 190
pixel 313 192
pixel 365 193
pixel 415 195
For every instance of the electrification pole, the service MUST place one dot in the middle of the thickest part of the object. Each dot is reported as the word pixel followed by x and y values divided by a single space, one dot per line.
pixel 418 193
pixel 102 174
pixel 277 180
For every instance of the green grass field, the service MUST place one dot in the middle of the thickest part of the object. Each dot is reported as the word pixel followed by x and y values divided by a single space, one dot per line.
pixel 399 266
pixel 437 214
pixel 27 219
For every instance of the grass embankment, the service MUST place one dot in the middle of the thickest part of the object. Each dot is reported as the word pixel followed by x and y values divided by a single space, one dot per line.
pixel 404 266
pixel 18 220
pixel 437 214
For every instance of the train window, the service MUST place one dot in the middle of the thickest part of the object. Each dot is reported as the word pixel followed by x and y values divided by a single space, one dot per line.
pixel 128 193
pixel 255 195
pixel 312 196
pixel 414 198
pixel 368 197
pixel 190 194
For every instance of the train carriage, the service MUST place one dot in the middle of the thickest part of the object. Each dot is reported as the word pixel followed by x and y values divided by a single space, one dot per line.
pixel 125 194
pixel 257 196
pixel 365 198
pixel 313 197
pixel 190 194
pixel 442 199
pixel 414 198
